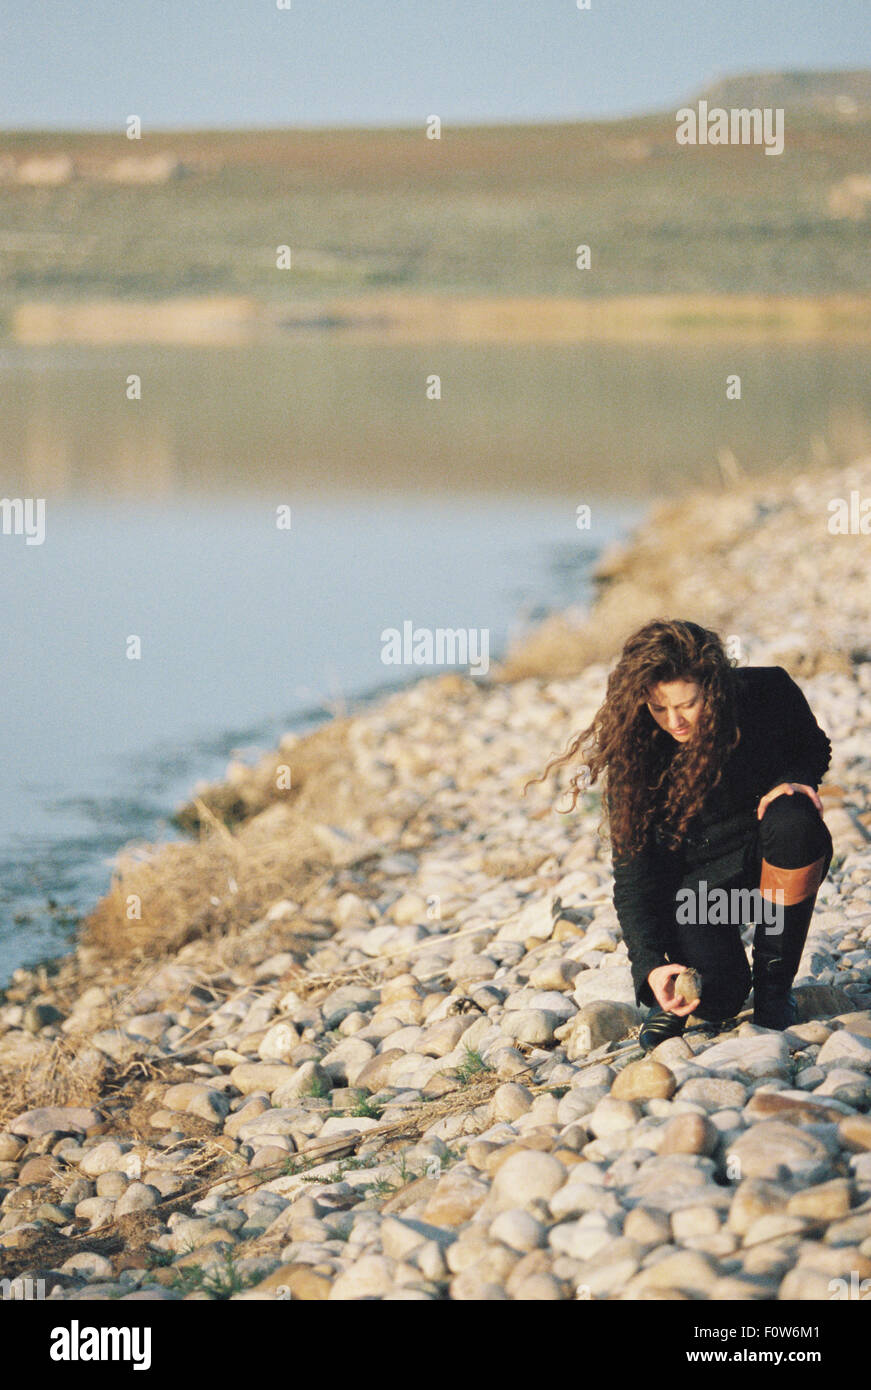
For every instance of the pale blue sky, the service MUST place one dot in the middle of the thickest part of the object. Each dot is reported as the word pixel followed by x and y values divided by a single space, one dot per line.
pixel 224 63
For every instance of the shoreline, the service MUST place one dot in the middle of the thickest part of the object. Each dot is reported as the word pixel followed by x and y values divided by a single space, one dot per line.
pixel 420 317
pixel 351 1046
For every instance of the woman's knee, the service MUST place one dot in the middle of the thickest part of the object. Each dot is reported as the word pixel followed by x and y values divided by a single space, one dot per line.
pixel 792 832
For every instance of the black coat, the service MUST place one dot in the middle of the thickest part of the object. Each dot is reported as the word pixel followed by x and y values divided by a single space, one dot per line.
pixel 780 742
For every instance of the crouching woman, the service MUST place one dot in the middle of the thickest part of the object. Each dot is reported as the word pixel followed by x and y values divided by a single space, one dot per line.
pixel 710 782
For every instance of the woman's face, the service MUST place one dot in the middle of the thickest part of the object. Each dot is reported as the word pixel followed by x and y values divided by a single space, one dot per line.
pixel 676 706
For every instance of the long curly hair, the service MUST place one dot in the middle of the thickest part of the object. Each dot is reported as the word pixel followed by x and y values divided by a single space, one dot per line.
pixel 650 779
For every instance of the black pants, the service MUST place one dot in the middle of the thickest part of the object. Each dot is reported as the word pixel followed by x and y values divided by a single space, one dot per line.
pixel 791 834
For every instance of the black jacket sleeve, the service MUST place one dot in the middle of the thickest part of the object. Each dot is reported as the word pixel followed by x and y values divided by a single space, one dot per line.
pixel 804 750
pixel 644 887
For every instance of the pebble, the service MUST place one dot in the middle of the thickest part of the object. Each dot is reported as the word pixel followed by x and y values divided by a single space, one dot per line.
pixel 88 1265
pixel 104 1158
pixel 261 1076
pixel 825 1202
pixel 612 1116
pixel 519 1230
pixel 845 1049
pixel 525 1176
pixel 54 1119
pixel 191 1098
pixel 765 1054
pixel 713 1093
pixel 689 1134
pixel 371 1276
pixel 139 1196
pixel 531 1026
pixel 644 1080
pixel 777 1150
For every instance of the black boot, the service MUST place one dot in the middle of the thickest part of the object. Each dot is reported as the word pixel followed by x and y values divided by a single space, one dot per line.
pixel 776 958
pixel 659 1025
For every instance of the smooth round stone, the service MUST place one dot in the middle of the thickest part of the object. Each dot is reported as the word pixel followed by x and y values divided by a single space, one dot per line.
pixel 575 1198
pixel 854 1133
pixel 370 1276
pixel 105 1158
pixel 163 1119
pixel 539 1288
pixel 55 1119
pixel 519 1230
pixel 525 1176
pixel 694 1221
pixel 689 1134
pixel 845 1049
pixel 554 974
pixel 112 1184
pixel 510 1101
pixel 776 1149
pixel 688 1271
pixel 36 1170
pixel 87 1264
pixel 10 1147
pixel 613 1116
pixel 585 1238
pixel 648 1228
pixel 531 1026
pixel 644 1080
pixel 138 1197
pixel 772 1226
pixel 714 1093
pixel 753 1199
pixel 194 1098
pixel 261 1076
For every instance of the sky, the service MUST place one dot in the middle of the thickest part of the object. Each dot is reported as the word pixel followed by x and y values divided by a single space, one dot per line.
pixel 178 64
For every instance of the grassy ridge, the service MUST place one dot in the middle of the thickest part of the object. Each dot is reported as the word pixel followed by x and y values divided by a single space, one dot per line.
pixel 490 210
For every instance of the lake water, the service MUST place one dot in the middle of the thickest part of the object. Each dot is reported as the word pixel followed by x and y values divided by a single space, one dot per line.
pixel 459 513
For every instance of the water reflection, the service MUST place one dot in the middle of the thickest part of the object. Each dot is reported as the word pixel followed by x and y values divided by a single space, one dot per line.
pixel 531 420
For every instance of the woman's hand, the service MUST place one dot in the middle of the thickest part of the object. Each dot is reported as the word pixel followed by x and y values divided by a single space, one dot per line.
pixel 787 789
pixel 661 981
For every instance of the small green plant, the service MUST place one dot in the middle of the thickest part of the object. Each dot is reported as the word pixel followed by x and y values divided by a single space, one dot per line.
pixel 217 1283
pixel 382 1188
pixel 472 1064
pixel 158 1259
pixel 295 1166
pixel 365 1109
pixel 406 1174
pixel 348 1165
pixel 316 1089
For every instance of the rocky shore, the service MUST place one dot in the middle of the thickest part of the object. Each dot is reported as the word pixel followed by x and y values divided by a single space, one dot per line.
pixel 372 1042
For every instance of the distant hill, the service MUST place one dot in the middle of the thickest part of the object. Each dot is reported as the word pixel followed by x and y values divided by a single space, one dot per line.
pixel 843 94
pixel 487 210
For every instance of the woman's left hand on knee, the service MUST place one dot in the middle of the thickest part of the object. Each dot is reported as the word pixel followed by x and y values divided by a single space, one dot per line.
pixel 787 789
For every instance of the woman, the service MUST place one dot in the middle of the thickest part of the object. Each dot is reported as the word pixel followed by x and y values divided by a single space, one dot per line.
pixel 712 775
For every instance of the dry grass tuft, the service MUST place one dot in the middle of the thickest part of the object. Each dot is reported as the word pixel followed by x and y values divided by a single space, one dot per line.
pixel 229 878
pixel 59 1074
